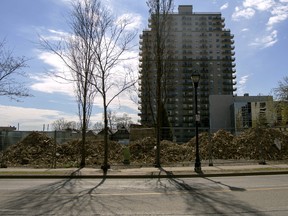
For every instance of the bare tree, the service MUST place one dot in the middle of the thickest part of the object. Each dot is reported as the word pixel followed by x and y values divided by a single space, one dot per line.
pixel 62 124
pixel 98 126
pixel 282 90
pixel 113 40
pixel 281 93
pixel 123 121
pixel 159 14
pixel 77 51
pixel 114 122
pixel 11 69
pixel 111 119
pixel 98 43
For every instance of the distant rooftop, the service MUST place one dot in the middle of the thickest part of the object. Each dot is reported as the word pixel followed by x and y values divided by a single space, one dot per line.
pixel 188 9
pixel 185 9
pixel 9 128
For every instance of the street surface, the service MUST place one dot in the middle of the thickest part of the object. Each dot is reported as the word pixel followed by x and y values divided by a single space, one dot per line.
pixel 245 195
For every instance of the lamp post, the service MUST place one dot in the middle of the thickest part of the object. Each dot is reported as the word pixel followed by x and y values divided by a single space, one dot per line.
pixel 195 79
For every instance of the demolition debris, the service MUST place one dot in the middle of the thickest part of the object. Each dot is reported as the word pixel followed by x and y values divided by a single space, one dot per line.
pixel 38 150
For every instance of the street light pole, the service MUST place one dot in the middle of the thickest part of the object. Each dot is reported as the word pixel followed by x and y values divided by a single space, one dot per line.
pixel 195 79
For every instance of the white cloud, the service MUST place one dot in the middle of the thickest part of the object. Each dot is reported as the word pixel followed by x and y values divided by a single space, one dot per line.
pixel 242 84
pixel 246 13
pixel 134 21
pixel 278 10
pixel 261 5
pixel 279 14
pixel 55 63
pixel 53 35
pixel 266 40
pixel 243 80
pixel 50 83
pixel 225 6
pixel 244 30
pixel 30 118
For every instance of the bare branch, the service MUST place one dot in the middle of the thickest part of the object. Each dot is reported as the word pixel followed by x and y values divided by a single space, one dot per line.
pixel 11 68
pixel 281 91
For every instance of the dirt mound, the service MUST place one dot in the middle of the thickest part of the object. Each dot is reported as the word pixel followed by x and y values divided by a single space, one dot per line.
pixel 144 151
pixel 38 150
pixel 252 144
pixel 69 154
pixel 35 149
pixel 259 143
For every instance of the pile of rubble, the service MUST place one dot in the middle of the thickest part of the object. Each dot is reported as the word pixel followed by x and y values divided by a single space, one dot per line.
pixel 35 149
pixel 38 150
pixel 259 143
pixel 252 144
pixel 69 154
pixel 144 151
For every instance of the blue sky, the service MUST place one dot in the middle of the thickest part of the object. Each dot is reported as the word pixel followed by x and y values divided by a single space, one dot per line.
pixel 260 29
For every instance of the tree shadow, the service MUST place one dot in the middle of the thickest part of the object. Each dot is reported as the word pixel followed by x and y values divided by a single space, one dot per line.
pixel 75 197
pixel 207 198
pixel 232 188
pixel 99 184
pixel 68 197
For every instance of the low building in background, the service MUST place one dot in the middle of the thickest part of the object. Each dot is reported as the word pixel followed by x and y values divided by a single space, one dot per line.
pixel 237 113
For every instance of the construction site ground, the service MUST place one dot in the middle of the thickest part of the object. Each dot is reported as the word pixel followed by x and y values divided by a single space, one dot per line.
pixel 255 151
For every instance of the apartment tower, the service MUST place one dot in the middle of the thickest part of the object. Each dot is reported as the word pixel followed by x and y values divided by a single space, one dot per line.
pixel 196 42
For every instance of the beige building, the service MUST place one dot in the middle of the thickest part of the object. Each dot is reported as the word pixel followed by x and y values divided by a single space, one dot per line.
pixel 196 42
pixel 256 111
pixel 237 113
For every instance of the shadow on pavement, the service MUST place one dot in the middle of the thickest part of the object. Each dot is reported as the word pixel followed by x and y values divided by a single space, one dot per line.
pixel 232 188
pixel 208 198
pixel 92 197
pixel 61 197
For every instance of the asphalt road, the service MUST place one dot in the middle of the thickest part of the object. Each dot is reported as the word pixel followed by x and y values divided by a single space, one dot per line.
pixel 245 195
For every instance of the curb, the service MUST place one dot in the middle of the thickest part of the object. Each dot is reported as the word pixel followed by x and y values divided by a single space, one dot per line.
pixel 151 175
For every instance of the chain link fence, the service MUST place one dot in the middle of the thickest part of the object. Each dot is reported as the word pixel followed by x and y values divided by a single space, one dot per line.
pixel 8 138
pixel 61 148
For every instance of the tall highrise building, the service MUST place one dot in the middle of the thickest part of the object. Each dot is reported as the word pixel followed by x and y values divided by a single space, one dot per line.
pixel 196 42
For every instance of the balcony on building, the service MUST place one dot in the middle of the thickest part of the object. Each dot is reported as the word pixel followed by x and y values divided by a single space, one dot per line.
pixel 228 88
pixel 203 46
pixel 229 65
pixel 204 65
pixel 226 82
pixel 228 58
pixel 228 41
pixel 216 18
pixel 227 34
pixel 228 52
pixel 228 46
pixel 227 76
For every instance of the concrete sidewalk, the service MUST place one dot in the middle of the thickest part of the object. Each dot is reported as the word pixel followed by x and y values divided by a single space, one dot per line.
pixel 146 172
